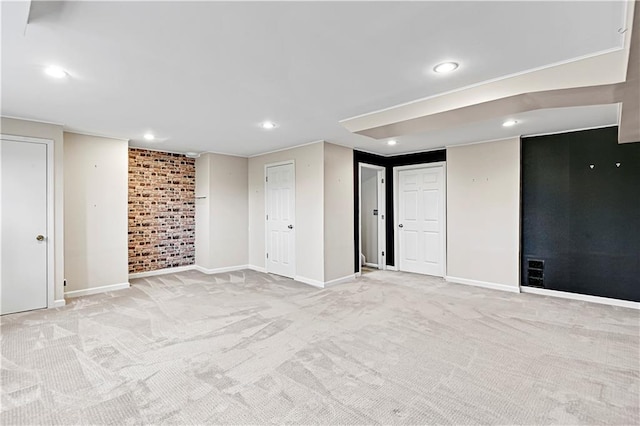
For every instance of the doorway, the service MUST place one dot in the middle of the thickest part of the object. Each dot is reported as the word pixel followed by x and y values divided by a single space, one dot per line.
pixel 372 216
pixel 420 218
pixel 280 219
pixel 26 252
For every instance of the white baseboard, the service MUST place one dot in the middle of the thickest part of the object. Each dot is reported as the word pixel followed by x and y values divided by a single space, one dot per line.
pixel 59 303
pixel 161 272
pixel 305 280
pixel 391 268
pixel 371 265
pixel 340 280
pixel 358 274
pixel 96 290
pixel 257 268
pixel 483 284
pixel 582 297
pixel 220 270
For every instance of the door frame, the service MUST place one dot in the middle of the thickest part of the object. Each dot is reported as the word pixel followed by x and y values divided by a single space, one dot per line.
pixel 266 203
pixel 396 209
pixel 382 234
pixel 50 210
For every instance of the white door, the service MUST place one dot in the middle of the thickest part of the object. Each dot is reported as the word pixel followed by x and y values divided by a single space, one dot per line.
pixel 24 226
pixel 280 210
pixel 421 220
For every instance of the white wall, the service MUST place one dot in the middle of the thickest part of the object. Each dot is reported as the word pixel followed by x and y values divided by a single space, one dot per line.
pixel 95 211
pixel 483 212
pixel 309 223
pixel 11 126
pixel 338 212
pixel 222 217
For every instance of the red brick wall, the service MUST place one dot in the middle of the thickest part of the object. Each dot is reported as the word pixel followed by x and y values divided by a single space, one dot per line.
pixel 161 210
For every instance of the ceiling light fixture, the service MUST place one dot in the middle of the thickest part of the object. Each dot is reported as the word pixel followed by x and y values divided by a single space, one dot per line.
pixel 149 136
pixel 509 123
pixel 446 67
pixel 268 125
pixel 392 142
pixel 55 72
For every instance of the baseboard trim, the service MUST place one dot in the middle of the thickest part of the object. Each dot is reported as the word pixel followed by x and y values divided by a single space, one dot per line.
pixel 391 268
pixel 582 297
pixel 161 272
pixel 257 268
pixel 96 290
pixel 340 280
pixel 59 303
pixel 358 274
pixel 371 265
pixel 483 284
pixel 220 270
pixel 309 281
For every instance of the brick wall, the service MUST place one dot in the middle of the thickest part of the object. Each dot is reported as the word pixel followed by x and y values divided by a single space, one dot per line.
pixel 161 210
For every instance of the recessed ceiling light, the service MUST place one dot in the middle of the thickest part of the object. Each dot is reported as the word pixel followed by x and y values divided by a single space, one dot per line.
pixel 445 67
pixel 392 142
pixel 149 136
pixel 268 125
pixel 55 72
pixel 509 123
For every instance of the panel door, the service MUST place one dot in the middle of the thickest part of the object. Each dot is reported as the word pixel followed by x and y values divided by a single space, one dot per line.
pixel 280 211
pixel 24 226
pixel 421 221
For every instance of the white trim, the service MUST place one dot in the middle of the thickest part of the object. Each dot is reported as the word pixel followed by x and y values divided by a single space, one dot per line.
pixel 59 303
pixel 392 268
pixel 559 132
pixel 396 209
pixel 94 135
pixel 581 297
pixel 50 234
pixel 358 274
pixel 291 162
pixel 483 284
pixel 341 280
pixel 96 290
pixel 161 272
pixel 371 265
pixel 493 80
pixel 257 268
pixel 382 236
pixel 483 141
pixel 220 270
pixel 12 117
pixel 309 281
pixel 286 149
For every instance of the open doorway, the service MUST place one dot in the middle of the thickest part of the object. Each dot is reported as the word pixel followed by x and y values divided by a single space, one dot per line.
pixel 372 216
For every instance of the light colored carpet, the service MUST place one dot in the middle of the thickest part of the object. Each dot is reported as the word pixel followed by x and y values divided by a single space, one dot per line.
pixel 250 348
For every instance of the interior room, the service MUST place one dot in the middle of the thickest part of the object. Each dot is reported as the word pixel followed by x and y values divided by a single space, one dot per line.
pixel 320 212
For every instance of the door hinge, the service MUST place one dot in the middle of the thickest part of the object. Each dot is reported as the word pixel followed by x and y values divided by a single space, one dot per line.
pixel 267 217
pixel 382 181
pixel 266 179
pixel 267 255
pixel 383 253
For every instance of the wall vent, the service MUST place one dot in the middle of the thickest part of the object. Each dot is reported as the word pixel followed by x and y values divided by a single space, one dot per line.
pixel 535 273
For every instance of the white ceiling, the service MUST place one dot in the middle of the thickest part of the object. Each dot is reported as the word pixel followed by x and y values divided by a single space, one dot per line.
pixel 203 75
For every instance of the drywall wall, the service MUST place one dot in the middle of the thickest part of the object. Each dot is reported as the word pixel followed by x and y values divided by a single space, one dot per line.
pixel 369 221
pixel 222 216
pixel 309 224
pixel 12 126
pixel 338 212
pixel 161 210
pixel 95 211
pixel 483 212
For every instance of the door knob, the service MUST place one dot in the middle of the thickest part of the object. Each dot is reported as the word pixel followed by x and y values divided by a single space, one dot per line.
pixel 290 226
pixel 401 226
pixel 40 238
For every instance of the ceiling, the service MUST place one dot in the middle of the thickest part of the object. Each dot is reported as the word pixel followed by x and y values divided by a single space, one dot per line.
pixel 202 76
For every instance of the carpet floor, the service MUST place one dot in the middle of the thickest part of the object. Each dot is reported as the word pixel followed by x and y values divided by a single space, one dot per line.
pixel 252 348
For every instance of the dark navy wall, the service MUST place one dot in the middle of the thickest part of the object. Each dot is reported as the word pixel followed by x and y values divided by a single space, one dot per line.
pixel 583 222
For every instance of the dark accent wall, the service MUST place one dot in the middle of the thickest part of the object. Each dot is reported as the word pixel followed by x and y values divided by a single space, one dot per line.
pixel 388 163
pixel 583 222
